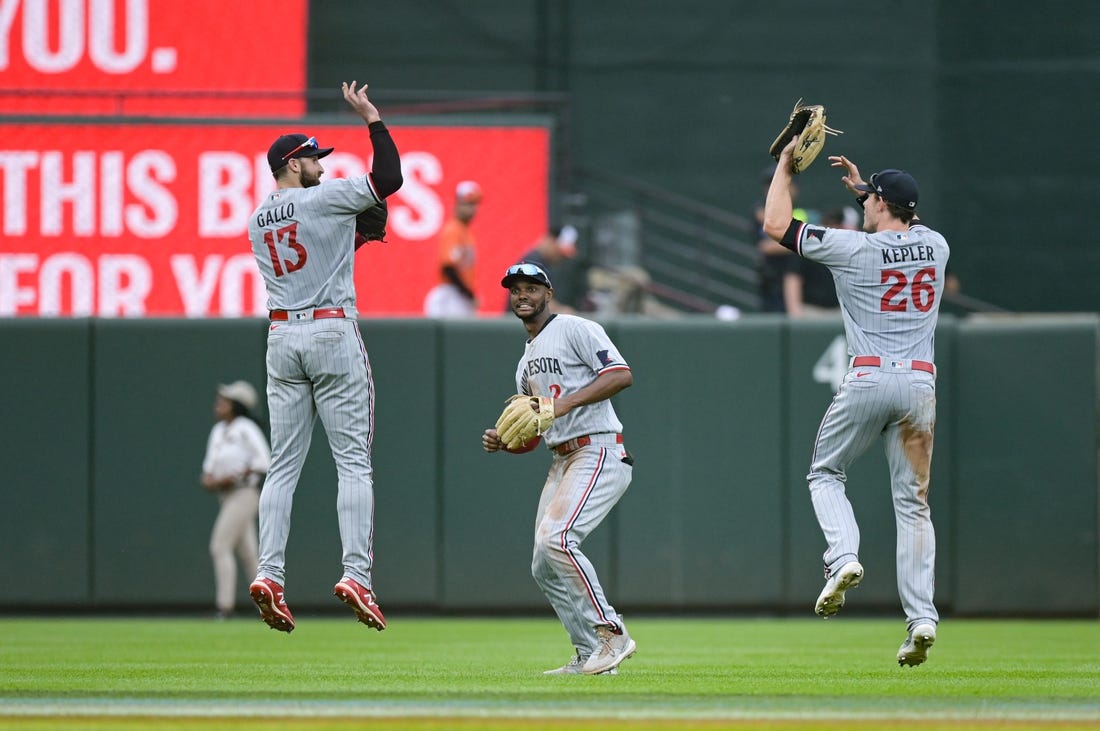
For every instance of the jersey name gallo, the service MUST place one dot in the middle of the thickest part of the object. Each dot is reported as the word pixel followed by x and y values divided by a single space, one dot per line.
pixel 273 216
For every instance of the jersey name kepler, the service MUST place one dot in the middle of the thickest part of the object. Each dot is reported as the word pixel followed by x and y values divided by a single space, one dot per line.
pixel 908 253
pixel 543 365
pixel 273 216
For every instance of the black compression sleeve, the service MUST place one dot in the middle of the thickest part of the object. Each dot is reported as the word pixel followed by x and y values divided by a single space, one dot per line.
pixel 386 172
pixel 790 239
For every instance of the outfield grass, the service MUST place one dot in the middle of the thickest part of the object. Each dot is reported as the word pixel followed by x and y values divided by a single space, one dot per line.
pixel 137 673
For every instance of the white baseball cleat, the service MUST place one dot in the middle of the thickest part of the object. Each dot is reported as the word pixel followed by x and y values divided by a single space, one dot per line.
pixel 576 667
pixel 914 650
pixel 831 599
pixel 612 650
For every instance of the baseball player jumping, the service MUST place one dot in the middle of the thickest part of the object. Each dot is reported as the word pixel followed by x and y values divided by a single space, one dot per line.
pixel 571 360
pixel 889 280
pixel 304 239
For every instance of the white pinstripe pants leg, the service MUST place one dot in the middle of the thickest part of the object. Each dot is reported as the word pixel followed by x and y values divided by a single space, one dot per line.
pixel 344 393
pixel 290 405
pixel 580 491
pixel 320 368
pixel 901 407
pixel 909 454
pixel 852 422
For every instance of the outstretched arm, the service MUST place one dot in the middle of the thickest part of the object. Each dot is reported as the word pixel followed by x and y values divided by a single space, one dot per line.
pixel 386 172
pixel 779 207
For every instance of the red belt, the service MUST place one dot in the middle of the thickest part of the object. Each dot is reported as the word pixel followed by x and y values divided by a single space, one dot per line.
pixel 574 444
pixel 318 314
pixel 875 362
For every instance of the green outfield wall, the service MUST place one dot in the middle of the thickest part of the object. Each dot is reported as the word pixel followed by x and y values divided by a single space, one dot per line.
pixel 105 424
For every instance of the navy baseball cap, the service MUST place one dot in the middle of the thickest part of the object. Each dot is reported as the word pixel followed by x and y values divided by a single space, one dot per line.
pixel 289 147
pixel 893 186
pixel 524 270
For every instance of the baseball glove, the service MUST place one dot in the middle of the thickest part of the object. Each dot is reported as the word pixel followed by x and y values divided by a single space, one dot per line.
pixel 808 121
pixel 371 223
pixel 524 418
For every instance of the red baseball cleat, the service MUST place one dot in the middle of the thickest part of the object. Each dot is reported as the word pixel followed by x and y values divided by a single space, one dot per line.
pixel 273 609
pixel 361 600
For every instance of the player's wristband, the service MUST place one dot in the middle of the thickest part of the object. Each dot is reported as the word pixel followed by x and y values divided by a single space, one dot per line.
pixel 378 126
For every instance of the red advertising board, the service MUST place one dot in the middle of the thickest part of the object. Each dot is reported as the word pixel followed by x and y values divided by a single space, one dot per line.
pixel 153 57
pixel 149 219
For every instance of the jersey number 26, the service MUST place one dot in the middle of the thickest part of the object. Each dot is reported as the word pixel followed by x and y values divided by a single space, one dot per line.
pixel 922 294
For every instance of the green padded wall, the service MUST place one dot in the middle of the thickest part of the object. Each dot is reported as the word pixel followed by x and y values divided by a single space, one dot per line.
pixel 721 420
pixel 45 462
pixel 153 387
pixel 489 500
pixel 404 357
pixel 702 523
pixel 1027 470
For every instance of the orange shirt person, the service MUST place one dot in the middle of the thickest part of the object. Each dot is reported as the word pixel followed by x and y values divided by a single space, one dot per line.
pixel 454 295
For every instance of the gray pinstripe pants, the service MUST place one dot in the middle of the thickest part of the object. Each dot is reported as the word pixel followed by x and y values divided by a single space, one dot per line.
pixel 581 489
pixel 319 368
pixel 902 408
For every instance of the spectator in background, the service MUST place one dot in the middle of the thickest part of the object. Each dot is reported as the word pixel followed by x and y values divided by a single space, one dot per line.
pixel 454 295
pixel 552 248
pixel 780 280
pixel 237 456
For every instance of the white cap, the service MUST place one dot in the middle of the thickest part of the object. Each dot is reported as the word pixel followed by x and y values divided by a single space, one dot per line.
pixel 567 240
pixel 468 191
pixel 727 312
pixel 241 392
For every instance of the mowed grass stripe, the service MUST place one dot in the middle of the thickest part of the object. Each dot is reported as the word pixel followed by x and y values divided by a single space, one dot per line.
pixel 687 670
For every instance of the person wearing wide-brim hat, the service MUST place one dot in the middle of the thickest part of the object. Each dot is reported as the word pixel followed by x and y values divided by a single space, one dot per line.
pixel 237 456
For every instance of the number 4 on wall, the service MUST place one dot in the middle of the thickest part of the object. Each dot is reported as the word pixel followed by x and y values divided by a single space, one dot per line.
pixel 833 363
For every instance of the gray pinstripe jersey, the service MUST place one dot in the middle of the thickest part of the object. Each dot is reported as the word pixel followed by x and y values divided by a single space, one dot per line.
pixel 889 284
pixel 304 242
pixel 568 354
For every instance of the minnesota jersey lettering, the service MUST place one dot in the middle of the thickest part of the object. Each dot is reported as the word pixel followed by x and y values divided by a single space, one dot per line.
pixel 543 365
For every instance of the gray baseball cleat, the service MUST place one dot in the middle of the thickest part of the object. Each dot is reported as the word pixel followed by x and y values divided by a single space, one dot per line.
pixel 831 599
pixel 576 667
pixel 914 650
pixel 612 649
